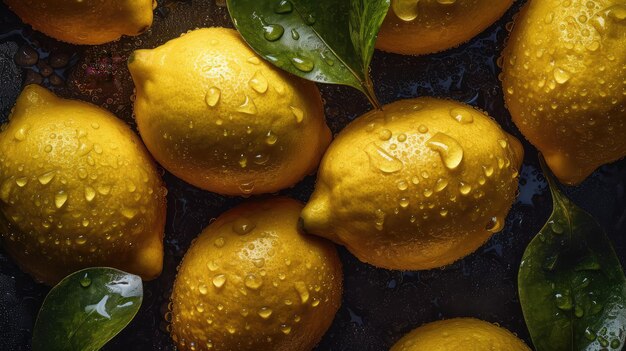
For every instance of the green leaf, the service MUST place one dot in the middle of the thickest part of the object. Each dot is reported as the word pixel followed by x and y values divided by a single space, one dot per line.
pixel 571 284
pixel 87 309
pixel 326 41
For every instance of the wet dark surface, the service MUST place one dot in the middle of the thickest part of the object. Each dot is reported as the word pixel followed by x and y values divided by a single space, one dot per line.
pixel 379 306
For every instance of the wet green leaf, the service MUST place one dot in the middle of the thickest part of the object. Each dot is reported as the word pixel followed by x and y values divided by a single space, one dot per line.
pixel 87 309
pixel 571 284
pixel 326 41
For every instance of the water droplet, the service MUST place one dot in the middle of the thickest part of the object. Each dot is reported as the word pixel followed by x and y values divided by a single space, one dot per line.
pixel 258 82
pixel 384 134
pixel 285 329
pixel 81 240
pixel 20 134
pixel 253 282
pixel 258 262
pixel 295 35
pixel 310 19
pixel 212 266
pixel 590 335
pixel 273 32
pixel 556 227
pixel 248 106
pixel 21 182
pixel 283 6
pixel 402 185
pixel 104 189
pixel 90 193
pixel 382 160
pixel 213 96
pixel 449 149
pixel 271 138
pixel 60 199
pixel 243 226
pixel 128 213
pixel 465 188
pixel 261 159
pixel 85 281
pixel 406 10
pixel 302 291
pixel 254 60
pixel 219 281
pixel 303 64
pixel 46 178
pixel 462 115
pixel 561 76
pixel 422 129
pixel 563 302
pixel 219 242
pixel 202 288
pixel 246 188
pixel 265 312
pixel 488 170
pixel 243 161
pixel 298 113
pixel 328 58
pixel 441 184
pixel 495 225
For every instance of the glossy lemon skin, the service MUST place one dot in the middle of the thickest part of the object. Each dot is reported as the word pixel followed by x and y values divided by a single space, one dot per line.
pixel 565 83
pixel 436 26
pixel 87 22
pixel 217 116
pixel 77 190
pixel 467 334
pixel 253 281
pixel 386 191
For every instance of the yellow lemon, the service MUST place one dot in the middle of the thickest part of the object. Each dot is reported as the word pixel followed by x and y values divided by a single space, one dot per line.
pixel 88 22
pixel 417 27
pixel 253 281
pixel 565 83
pixel 217 116
pixel 416 186
pixel 77 189
pixel 467 334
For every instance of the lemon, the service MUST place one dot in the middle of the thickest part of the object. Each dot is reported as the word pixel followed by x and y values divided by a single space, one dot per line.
pixel 253 281
pixel 217 116
pixel 88 22
pixel 416 186
pixel 417 27
pixel 467 334
pixel 565 83
pixel 77 189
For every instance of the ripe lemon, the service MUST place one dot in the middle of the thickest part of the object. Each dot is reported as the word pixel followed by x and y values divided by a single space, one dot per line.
pixel 565 82
pixel 416 186
pixel 417 27
pixel 217 116
pixel 253 281
pixel 88 22
pixel 467 334
pixel 77 189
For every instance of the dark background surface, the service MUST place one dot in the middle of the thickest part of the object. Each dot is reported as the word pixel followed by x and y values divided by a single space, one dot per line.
pixel 379 306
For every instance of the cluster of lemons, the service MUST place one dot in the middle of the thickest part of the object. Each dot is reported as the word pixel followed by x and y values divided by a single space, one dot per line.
pixel 417 185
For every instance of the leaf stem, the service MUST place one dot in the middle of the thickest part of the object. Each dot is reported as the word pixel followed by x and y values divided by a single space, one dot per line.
pixel 552 183
pixel 368 89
